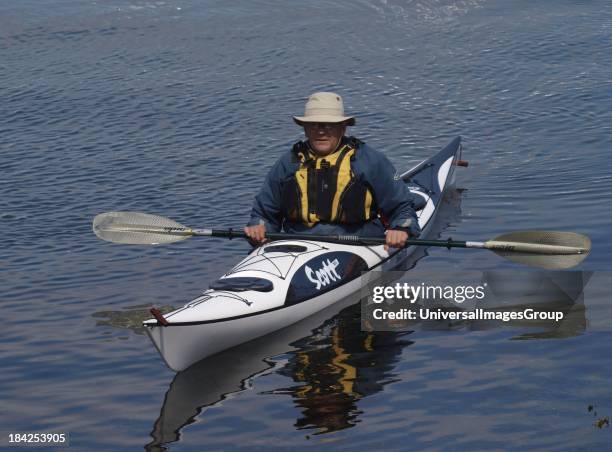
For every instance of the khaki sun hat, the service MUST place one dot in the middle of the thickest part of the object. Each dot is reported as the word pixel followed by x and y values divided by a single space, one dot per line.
pixel 324 107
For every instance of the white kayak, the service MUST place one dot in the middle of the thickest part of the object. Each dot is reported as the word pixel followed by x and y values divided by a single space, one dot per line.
pixel 285 281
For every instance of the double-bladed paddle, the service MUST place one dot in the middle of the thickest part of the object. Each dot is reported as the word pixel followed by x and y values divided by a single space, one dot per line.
pixel 545 249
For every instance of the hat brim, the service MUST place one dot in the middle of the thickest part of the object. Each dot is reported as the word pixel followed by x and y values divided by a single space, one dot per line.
pixel 301 120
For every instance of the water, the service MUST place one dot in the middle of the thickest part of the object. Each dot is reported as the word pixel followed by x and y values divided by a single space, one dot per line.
pixel 180 107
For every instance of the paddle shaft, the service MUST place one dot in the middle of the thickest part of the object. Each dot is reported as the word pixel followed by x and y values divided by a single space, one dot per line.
pixel 344 238
pixel 449 243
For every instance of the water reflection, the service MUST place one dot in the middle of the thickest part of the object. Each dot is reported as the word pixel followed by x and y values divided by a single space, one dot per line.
pixel 346 365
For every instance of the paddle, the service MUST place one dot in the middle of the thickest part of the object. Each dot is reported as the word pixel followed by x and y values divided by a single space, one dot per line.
pixel 546 249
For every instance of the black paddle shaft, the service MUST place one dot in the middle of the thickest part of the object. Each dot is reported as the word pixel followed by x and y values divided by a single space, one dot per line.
pixel 347 239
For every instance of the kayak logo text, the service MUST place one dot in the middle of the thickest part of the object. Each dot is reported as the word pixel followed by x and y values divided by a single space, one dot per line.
pixel 324 275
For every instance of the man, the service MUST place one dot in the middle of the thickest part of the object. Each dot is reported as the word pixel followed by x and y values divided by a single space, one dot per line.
pixel 333 184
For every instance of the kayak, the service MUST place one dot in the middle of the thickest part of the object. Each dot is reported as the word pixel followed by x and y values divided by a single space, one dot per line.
pixel 285 281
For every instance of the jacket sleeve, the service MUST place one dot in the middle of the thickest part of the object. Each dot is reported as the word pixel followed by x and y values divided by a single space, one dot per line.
pixel 390 193
pixel 267 205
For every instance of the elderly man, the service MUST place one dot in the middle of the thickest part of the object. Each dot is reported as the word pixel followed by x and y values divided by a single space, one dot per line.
pixel 332 184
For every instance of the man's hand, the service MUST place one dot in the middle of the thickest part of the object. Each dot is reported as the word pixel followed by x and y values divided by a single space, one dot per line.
pixel 256 234
pixel 395 239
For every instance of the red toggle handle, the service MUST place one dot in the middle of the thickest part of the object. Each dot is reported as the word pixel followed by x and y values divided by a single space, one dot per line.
pixel 159 317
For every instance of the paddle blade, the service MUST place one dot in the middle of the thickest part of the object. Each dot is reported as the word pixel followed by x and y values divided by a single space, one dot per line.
pixel 138 228
pixel 545 249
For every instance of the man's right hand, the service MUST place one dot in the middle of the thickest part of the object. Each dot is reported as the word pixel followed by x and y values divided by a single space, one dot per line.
pixel 256 234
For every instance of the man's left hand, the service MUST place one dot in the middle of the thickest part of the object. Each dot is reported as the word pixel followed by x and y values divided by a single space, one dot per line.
pixel 395 239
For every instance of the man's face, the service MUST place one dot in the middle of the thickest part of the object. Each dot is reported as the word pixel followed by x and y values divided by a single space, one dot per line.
pixel 324 137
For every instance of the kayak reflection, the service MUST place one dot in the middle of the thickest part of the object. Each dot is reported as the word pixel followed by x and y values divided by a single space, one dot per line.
pixel 337 363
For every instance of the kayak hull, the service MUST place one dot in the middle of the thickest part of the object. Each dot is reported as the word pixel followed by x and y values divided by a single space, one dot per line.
pixel 284 282
pixel 183 345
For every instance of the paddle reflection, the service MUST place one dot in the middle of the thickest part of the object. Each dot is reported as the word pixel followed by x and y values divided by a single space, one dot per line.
pixel 542 291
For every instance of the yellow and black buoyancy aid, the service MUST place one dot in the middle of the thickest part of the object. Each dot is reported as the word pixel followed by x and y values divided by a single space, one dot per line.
pixel 325 189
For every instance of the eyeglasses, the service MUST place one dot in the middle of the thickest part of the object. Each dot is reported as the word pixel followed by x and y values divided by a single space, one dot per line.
pixel 327 126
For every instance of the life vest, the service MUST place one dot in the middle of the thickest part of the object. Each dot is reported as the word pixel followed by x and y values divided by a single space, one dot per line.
pixel 325 189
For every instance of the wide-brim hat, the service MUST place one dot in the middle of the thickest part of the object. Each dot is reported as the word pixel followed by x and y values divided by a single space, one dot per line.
pixel 324 107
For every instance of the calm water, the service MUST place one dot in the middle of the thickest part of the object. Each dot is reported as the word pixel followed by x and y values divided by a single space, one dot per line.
pixel 179 108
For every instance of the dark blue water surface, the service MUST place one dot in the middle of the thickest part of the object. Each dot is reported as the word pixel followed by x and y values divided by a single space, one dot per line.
pixel 179 108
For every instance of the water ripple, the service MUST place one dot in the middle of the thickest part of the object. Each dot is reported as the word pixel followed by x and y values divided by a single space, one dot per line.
pixel 179 108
